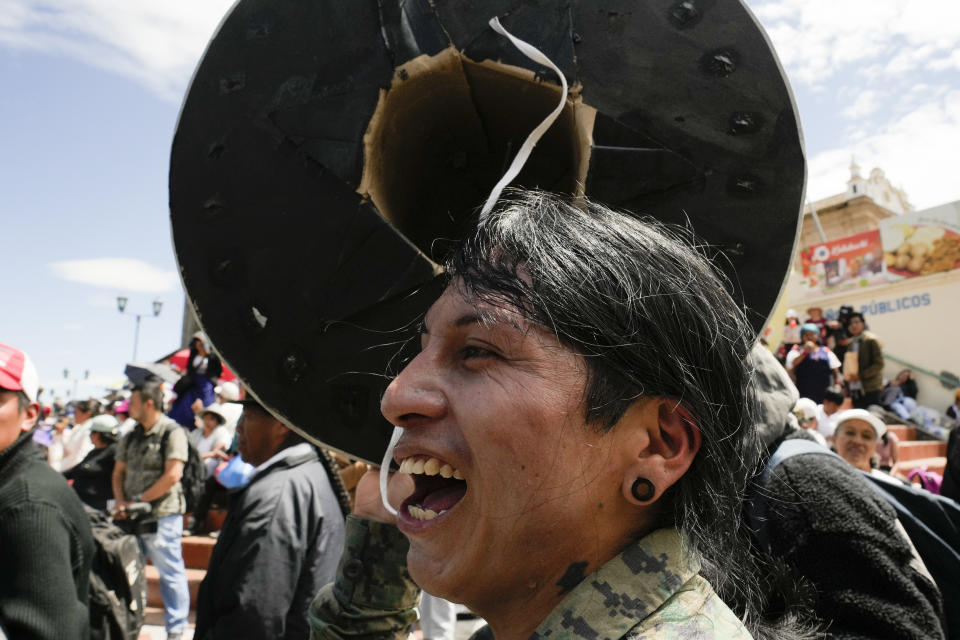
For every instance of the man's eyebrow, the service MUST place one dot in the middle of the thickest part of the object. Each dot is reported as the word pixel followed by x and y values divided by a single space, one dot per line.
pixel 462 321
pixel 470 318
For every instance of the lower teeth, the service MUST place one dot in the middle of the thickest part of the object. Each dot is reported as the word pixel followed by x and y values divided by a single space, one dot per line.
pixel 423 514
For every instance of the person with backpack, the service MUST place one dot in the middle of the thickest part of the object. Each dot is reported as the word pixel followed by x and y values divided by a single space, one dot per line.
pixel 46 547
pixel 118 581
pixel 149 466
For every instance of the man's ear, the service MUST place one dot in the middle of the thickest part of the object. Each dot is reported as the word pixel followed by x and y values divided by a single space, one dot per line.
pixel 30 416
pixel 667 440
pixel 280 433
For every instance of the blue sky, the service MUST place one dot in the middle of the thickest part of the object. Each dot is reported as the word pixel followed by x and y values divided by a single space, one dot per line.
pixel 89 96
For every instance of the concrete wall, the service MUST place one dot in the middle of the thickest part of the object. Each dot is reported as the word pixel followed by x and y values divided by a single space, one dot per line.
pixel 846 219
pixel 916 320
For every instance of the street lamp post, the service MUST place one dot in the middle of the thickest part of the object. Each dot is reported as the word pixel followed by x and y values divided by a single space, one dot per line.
pixel 66 376
pixel 121 307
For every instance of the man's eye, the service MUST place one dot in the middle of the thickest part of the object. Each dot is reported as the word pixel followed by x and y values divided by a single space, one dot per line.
pixel 473 352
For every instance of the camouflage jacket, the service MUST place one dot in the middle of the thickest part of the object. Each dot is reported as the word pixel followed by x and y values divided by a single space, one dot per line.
pixel 372 595
pixel 651 590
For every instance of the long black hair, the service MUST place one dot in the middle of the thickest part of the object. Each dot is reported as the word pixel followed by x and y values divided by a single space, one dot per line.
pixel 652 318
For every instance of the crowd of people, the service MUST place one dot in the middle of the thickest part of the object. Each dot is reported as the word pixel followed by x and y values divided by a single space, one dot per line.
pixel 838 361
pixel 125 456
pixel 285 501
pixel 665 449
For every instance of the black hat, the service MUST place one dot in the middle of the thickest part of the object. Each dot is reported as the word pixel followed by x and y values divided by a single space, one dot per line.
pixel 249 402
pixel 336 149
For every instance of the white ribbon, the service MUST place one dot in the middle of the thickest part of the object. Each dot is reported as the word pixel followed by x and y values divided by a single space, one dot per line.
pixel 516 166
pixel 385 468
pixel 523 154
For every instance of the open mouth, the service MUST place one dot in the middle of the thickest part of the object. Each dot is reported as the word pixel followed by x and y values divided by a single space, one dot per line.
pixel 438 487
pixel 855 451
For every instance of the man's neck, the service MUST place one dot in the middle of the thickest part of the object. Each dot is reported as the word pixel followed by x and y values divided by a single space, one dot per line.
pixel 516 616
pixel 150 421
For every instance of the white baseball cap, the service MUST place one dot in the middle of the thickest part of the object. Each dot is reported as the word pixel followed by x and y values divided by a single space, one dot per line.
pixel 229 391
pixel 807 406
pixel 17 372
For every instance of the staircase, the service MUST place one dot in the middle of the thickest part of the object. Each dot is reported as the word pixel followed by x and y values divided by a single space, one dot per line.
pixel 196 556
pixel 915 454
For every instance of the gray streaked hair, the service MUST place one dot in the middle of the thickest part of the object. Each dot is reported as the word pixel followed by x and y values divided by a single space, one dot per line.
pixel 652 318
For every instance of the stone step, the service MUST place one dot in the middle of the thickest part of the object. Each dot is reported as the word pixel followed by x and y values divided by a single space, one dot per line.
pixel 215 518
pixel 197 551
pixel 903 431
pixel 916 449
pixel 936 463
pixel 154 599
pixel 154 616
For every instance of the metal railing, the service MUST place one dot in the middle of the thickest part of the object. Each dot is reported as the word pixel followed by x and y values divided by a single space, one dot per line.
pixel 946 378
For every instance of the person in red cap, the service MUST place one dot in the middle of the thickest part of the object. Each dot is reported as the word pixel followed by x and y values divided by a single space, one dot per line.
pixel 44 532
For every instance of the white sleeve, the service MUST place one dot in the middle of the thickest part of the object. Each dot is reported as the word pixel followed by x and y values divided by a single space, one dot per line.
pixel 76 445
pixel 834 360
pixel 825 425
pixel 438 618
pixel 221 438
pixel 791 357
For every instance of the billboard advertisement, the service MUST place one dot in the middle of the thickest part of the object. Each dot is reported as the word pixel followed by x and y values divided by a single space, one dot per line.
pixel 922 243
pixel 838 265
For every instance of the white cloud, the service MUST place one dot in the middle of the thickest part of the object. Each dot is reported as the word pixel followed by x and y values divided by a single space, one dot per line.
pixel 119 274
pixel 942 64
pixel 820 39
pixel 157 44
pixel 917 151
pixel 828 173
pixel 866 103
pixel 866 53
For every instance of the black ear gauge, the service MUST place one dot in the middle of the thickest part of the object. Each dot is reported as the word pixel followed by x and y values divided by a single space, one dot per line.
pixel 643 490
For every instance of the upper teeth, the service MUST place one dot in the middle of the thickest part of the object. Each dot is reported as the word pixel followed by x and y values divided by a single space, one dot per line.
pixel 429 467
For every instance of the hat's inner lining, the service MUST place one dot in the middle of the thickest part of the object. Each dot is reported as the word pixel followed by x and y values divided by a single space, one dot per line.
pixel 445 133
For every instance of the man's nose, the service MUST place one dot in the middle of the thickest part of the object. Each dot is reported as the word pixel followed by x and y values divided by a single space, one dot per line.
pixel 416 395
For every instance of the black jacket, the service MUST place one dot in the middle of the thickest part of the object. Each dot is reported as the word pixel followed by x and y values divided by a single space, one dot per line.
pixel 951 473
pixel 837 537
pixel 46 548
pixel 92 477
pixel 280 543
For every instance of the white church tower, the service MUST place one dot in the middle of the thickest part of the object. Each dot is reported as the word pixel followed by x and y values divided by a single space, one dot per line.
pixel 878 188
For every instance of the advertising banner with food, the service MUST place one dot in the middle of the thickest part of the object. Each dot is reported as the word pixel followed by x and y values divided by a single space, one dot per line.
pixel 848 263
pixel 922 243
